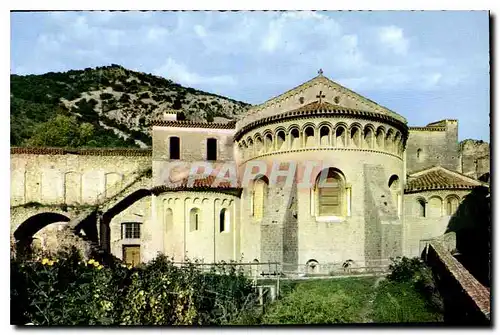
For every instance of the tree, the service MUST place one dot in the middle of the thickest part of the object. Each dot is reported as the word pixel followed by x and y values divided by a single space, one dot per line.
pixel 61 131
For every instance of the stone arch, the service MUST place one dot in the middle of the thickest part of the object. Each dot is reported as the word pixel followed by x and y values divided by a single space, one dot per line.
pixel 369 136
pixel 309 136
pixel 259 196
pixel 194 219
pixel 396 143
pixel 250 152
pixel 224 220
pixel 380 137
pixel 355 135
pixel 330 193
pixel 435 205
pixel 389 140
pixel 294 135
pixel 452 203
pixel 325 132
pixel 268 142
pixel 113 182
pixel 312 266
pixel 259 144
pixel 421 207
pixel 280 139
pixel 394 187
pixel 25 231
pixel 72 188
pixel 340 135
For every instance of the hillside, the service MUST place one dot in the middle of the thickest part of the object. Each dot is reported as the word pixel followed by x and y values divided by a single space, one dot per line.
pixel 119 104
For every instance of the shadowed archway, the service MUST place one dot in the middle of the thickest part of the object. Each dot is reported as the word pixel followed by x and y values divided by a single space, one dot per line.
pixel 24 233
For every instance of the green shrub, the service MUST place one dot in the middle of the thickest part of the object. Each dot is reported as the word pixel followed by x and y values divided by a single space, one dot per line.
pixel 70 291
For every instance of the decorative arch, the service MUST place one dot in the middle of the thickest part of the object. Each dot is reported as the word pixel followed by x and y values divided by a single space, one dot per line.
pixel 389 140
pixel 169 219
pixel 294 138
pixel 369 136
pixel 330 193
pixel 281 139
pixel 340 136
pixel 309 136
pixel 312 266
pixel 259 145
pixel 268 141
pixel 396 143
pixel 421 207
pixel 452 203
pixel 325 135
pixel 380 136
pixel 194 219
pixel 355 135
pixel 435 207
pixel 259 196
pixel 250 145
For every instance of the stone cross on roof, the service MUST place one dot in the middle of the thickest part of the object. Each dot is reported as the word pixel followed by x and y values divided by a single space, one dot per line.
pixel 320 72
pixel 320 96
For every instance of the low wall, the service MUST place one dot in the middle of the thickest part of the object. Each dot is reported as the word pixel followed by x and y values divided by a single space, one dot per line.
pixel 466 300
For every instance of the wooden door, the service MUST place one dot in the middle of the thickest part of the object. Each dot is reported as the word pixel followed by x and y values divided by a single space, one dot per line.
pixel 132 254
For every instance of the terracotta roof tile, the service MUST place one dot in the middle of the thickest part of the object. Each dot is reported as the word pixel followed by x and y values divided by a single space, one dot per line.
pixel 192 124
pixel 439 178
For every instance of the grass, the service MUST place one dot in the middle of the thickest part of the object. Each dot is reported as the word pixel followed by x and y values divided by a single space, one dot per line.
pixel 345 301
pixel 401 303
pixel 320 302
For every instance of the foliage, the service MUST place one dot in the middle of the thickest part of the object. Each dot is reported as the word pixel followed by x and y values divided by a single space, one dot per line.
pixel 70 291
pixel 321 302
pixel 413 271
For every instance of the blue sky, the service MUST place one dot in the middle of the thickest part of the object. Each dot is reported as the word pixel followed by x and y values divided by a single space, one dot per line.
pixel 425 66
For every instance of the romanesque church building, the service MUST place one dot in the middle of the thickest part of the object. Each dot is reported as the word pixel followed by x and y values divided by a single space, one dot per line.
pixel 386 187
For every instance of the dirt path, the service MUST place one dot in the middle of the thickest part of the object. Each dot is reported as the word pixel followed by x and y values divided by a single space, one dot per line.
pixel 368 307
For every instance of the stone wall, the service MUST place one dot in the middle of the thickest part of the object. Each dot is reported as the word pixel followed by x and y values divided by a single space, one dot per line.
pixel 419 229
pixel 475 157
pixel 466 300
pixel 437 145
pixel 75 177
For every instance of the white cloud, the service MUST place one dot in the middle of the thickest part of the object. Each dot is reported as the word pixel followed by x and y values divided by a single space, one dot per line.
pixel 393 38
pixel 180 73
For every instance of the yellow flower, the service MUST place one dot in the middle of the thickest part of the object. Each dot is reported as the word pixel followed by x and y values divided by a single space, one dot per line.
pixel 91 261
pixel 99 267
pixel 45 261
pixel 129 267
pixel 50 263
pixel 96 264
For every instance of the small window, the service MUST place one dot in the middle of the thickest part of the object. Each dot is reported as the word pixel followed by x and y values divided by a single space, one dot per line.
pixel 419 154
pixel 223 220
pixel 131 230
pixel 312 266
pixel 211 149
pixel 175 151
pixel 194 219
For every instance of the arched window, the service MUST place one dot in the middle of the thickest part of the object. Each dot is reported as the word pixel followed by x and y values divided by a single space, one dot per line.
pixel 340 137
pixel 330 193
pixel 269 142
pixel 395 192
pixel 309 137
pixel 435 207
pixel 224 220
pixel 250 152
pixel 388 141
pixel 211 149
pixel 452 203
pixel 355 137
pixel 194 219
pixel 369 137
pixel 169 219
pixel 419 155
pixel 294 139
pixel 280 138
pixel 175 150
pixel 324 134
pixel 421 208
pixel 259 197
pixel 380 138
